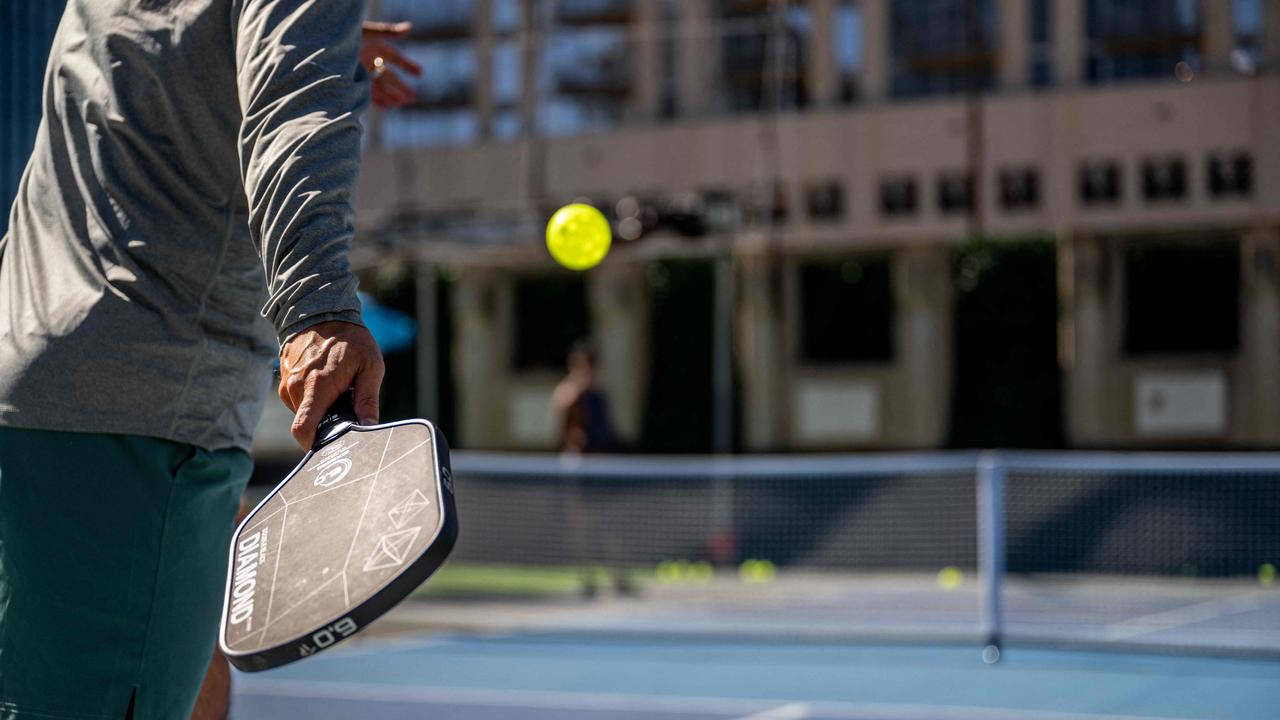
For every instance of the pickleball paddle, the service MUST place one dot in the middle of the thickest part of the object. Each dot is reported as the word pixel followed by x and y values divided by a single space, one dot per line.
pixel 361 522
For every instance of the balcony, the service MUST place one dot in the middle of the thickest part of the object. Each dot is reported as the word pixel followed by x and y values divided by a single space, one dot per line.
pixel 585 13
pixel 440 20
pixel 593 74
pixel 450 96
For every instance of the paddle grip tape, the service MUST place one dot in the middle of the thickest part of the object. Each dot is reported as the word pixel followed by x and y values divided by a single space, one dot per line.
pixel 343 410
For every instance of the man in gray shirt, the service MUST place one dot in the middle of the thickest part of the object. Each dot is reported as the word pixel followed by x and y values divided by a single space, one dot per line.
pixel 184 217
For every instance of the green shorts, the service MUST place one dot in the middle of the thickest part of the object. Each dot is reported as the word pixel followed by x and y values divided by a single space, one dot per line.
pixel 113 558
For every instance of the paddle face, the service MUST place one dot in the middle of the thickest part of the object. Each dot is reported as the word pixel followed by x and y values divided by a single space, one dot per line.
pixel 363 520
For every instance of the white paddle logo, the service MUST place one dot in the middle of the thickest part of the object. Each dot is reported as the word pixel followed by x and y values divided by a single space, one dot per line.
pixel 244 581
pixel 335 463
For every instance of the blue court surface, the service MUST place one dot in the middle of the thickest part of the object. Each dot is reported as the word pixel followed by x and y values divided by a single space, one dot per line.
pixel 576 677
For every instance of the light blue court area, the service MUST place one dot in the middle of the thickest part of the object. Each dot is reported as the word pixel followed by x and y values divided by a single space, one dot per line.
pixel 576 677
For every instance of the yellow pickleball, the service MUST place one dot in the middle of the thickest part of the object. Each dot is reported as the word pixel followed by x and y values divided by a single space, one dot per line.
pixel 950 578
pixel 578 236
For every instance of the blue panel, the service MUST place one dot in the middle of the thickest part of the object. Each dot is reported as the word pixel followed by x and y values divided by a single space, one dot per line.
pixel 26 32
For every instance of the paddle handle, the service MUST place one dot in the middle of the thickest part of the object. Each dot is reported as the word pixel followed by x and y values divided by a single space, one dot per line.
pixel 341 412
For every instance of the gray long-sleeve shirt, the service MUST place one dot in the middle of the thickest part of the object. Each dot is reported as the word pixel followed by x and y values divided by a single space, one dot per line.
pixel 193 174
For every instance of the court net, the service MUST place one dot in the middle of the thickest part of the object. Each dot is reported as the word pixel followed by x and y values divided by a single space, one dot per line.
pixel 1171 551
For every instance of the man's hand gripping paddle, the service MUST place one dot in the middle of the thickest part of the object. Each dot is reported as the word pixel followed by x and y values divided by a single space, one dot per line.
pixel 362 521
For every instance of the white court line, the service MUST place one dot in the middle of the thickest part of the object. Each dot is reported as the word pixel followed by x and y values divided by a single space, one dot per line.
pixel 356 536
pixel 653 704
pixel 299 604
pixel 366 476
pixel 1180 617
pixel 275 569
pixel 794 711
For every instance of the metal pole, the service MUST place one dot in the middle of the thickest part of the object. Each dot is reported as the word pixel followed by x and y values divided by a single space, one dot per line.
pixel 428 323
pixel 991 552
pixel 976 122
pixel 722 373
pixel 722 545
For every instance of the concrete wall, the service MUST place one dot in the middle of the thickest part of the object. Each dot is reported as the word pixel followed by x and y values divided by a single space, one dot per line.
pixel 1052 132
pixel 1176 400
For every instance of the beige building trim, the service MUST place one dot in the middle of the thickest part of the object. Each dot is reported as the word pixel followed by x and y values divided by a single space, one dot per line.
pixel 875 81
pixel 1013 57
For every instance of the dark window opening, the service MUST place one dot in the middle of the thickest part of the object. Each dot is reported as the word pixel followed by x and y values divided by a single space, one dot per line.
pixel 551 314
pixel 941 47
pixel 825 201
pixel 1230 175
pixel 1100 183
pixel 1164 179
pixel 898 197
pixel 1019 189
pixel 1130 39
pixel 847 311
pixel 1182 298
pixel 955 193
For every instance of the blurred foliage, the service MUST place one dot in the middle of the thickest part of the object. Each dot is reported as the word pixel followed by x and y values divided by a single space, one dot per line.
pixel 1007 387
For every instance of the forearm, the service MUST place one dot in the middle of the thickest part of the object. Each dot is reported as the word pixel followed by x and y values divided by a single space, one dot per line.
pixel 301 95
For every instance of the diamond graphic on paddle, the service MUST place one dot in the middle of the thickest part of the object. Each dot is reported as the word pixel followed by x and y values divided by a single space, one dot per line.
pixel 392 550
pixel 407 508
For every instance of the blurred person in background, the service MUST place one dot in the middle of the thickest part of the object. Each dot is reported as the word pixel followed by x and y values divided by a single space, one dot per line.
pixel 580 411
pixel 193 173
pixel 580 407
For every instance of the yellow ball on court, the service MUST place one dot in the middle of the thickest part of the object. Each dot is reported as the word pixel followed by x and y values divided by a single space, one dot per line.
pixel 1267 575
pixel 757 572
pixel 578 236
pixel 950 578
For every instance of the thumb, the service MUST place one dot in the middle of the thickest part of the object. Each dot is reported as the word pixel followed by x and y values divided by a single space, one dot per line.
pixel 366 388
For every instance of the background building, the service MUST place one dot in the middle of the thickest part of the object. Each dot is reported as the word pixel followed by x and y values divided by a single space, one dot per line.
pixel 821 170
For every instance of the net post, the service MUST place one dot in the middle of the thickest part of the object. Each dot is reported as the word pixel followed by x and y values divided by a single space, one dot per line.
pixel 991 551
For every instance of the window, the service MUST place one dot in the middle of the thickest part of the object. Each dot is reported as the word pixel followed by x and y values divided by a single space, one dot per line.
pixel 1182 298
pixel 1041 45
pixel 586 74
pixel 898 197
pixel 1247 55
pixel 846 41
pixel 551 315
pixel 1100 183
pixel 825 201
pixel 506 16
pixel 1164 179
pixel 751 65
pixel 1019 189
pixel 955 193
pixel 847 311
pixel 1230 175
pixel 722 210
pixel 440 42
pixel 766 203
pixel 436 20
pixel 508 78
pixel 932 52
pixel 1130 39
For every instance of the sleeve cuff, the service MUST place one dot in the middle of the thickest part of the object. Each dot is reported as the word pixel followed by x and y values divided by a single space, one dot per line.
pixel 347 316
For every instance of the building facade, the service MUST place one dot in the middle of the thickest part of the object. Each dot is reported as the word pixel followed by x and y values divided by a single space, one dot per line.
pixel 827 161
